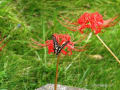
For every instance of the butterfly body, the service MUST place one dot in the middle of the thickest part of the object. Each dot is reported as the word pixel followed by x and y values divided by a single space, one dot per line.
pixel 57 47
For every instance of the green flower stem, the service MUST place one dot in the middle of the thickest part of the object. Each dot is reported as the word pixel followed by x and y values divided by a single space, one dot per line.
pixel 108 49
pixel 55 85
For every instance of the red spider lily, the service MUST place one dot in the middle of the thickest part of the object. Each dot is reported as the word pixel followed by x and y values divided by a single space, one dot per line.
pixel 61 39
pixel 90 20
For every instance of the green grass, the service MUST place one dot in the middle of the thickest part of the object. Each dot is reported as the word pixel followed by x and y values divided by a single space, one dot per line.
pixel 25 68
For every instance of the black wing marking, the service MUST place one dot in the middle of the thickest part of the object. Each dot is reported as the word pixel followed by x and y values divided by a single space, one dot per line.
pixel 61 47
pixel 57 47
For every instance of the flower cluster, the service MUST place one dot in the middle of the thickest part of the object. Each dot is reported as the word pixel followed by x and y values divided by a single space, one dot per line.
pixel 93 21
pixel 61 39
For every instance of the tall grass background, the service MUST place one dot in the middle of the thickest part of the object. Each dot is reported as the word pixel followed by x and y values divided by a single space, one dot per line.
pixel 25 68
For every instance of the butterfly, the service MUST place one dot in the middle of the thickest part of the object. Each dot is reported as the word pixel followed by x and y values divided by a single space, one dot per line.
pixel 57 47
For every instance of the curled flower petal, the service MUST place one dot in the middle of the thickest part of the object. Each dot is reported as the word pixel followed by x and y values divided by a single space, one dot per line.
pixel 64 52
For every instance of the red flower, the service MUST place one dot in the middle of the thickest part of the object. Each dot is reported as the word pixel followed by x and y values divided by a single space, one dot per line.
pixel 91 20
pixel 61 39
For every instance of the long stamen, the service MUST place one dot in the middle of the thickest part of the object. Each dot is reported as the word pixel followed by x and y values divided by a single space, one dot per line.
pixel 66 20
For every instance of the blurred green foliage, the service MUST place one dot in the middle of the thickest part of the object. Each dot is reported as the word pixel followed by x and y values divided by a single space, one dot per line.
pixel 25 68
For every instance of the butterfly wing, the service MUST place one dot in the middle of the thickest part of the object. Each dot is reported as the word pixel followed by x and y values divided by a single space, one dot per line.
pixel 56 45
pixel 61 47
